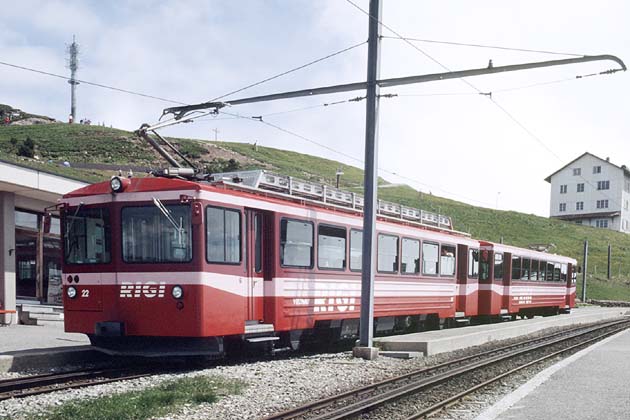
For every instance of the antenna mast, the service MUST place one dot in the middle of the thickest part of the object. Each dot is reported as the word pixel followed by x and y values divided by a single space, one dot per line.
pixel 73 65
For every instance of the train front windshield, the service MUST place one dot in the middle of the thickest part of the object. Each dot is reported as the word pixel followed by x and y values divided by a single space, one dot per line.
pixel 87 236
pixel 157 233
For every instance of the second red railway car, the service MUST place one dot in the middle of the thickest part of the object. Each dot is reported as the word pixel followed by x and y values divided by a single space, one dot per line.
pixel 168 265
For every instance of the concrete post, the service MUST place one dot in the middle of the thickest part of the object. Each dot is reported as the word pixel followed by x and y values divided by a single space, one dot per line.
pixel 7 256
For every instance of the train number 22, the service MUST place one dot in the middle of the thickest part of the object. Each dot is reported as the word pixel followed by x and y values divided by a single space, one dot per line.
pixel 85 293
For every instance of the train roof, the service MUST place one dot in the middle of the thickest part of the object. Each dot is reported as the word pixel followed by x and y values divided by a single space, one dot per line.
pixel 528 253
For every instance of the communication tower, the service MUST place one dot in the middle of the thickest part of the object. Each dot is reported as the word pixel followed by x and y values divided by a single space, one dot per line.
pixel 73 65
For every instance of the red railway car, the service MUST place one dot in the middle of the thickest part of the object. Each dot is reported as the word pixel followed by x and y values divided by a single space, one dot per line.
pixel 516 281
pixel 166 265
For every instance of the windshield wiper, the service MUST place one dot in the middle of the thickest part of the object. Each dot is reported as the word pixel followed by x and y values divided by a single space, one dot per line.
pixel 169 216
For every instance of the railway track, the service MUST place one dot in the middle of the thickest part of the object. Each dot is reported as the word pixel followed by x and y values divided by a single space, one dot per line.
pixel 41 384
pixel 426 391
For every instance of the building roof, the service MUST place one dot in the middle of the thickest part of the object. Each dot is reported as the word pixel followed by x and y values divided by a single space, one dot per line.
pixel 607 160
pixel 577 216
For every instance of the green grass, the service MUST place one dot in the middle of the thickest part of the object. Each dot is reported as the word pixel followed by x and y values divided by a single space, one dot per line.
pixel 79 143
pixel 159 401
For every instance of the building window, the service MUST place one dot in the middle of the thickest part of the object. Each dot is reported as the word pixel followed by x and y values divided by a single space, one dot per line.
pixel 410 263
pixel 580 187
pixel 578 222
pixel 597 169
pixel 563 189
pixel 223 235
pixel 579 205
pixel 602 204
pixel 387 261
pixel 625 205
pixel 577 171
pixel 331 247
pixel 563 206
pixel 601 223
pixel 296 243
pixel 603 185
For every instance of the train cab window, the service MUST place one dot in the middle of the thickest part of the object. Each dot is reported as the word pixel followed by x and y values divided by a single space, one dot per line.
pixel 498 266
pixel 87 236
pixel 516 268
pixel 258 232
pixel 387 253
pixel 533 272
pixel 223 235
pixel 556 271
pixel 447 260
pixel 563 273
pixel 550 267
pixel 157 233
pixel 473 262
pixel 484 265
pixel 525 269
pixel 331 247
pixel 296 243
pixel 356 249
pixel 430 260
pixel 542 274
pixel 410 262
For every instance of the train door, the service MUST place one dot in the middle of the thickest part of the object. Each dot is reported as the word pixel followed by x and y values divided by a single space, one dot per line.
pixel 255 264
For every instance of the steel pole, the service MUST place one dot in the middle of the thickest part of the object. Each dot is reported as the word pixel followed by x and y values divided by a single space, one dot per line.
pixel 370 177
pixel 609 259
pixel 584 269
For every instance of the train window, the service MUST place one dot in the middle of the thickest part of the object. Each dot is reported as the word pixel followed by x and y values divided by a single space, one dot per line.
pixel 258 242
pixel 533 273
pixel 542 276
pixel 387 253
pixel 410 262
pixel 484 265
pixel 157 233
pixel 563 273
pixel 525 269
pixel 473 262
pixel 556 272
pixel 516 268
pixel 223 235
pixel 447 260
pixel 430 261
pixel 498 266
pixel 331 247
pixel 87 236
pixel 296 243
pixel 550 267
pixel 356 249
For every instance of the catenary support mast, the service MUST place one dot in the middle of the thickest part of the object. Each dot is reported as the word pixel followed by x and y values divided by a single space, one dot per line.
pixel 370 179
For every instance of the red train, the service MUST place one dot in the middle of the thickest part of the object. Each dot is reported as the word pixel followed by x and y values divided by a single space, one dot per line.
pixel 170 265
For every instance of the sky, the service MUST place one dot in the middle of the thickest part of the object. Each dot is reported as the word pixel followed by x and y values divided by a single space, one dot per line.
pixel 440 137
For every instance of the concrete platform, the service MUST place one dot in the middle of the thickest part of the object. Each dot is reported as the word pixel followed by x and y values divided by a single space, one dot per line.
pixel 591 384
pixel 434 342
pixel 24 347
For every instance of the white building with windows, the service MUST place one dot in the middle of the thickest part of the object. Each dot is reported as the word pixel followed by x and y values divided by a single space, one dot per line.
pixel 591 191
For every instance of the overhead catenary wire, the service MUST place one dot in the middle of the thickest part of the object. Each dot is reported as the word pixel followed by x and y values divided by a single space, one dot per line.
pixel 488 95
pixel 381 169
pixel 495 47
pixel 284 73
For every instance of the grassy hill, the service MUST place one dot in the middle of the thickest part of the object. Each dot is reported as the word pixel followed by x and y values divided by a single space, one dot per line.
pixel 59 142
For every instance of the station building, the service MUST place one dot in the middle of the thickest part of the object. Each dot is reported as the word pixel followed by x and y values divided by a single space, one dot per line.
pixel 30 258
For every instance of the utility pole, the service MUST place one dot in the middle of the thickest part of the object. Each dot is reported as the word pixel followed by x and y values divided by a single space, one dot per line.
pixel 216 133
pixel 73 65
pixel 370 181
pixel 609 259
pixel 584 269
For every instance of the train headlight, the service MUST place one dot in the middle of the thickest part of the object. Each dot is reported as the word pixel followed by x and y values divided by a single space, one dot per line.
pixel 118 184
pixel 177 292
pixel 71 292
